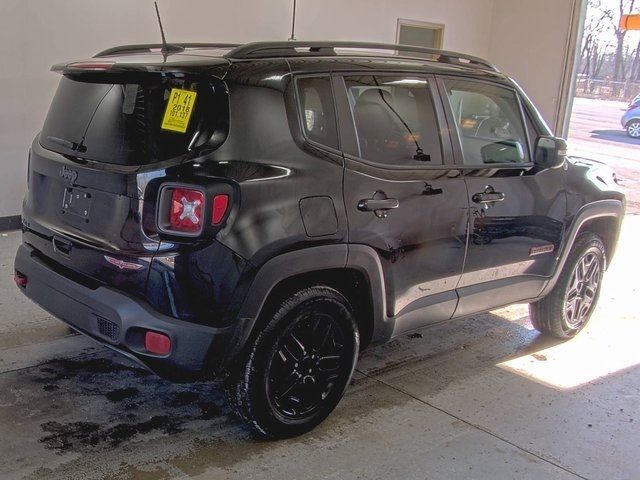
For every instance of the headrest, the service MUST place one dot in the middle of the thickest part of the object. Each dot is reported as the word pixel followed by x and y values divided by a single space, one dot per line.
pixel 374 95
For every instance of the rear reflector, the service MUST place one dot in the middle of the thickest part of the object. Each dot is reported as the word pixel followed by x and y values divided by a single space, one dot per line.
pixel 20 279
pixel 220 204
pixel 157 343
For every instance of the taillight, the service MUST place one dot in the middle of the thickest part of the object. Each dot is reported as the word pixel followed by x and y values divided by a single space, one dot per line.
pixel 186 210
pixel 220 205
pixel 192 211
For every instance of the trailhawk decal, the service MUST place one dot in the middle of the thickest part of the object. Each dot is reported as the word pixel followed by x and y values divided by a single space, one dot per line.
pixel 541 250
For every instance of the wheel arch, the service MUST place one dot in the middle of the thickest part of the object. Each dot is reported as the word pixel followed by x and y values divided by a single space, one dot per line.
pixel 607 228
pixel 352 270
pixel 349 282
pixel 604 218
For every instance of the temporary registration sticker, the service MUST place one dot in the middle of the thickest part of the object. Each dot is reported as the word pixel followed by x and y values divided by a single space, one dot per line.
pixel 179 110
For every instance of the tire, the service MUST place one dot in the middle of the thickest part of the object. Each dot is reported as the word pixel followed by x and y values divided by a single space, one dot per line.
pixel 569 306
pixel 633 129
pixel 298 367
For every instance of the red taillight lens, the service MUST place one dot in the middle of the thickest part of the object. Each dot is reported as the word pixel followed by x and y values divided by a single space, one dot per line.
pixel 186 210
pixel 20 279
pixel 157 343
pixel 220 205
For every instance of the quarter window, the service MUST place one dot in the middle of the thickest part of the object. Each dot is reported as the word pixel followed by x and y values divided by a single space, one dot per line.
pixel 489 123
pixel 318 114
pixel 395 120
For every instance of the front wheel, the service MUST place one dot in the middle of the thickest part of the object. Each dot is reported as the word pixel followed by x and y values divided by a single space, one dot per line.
pixel 299 365
pixel 569 306
pixel 633 129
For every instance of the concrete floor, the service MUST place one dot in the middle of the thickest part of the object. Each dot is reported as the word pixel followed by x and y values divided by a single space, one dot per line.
pixel 481 398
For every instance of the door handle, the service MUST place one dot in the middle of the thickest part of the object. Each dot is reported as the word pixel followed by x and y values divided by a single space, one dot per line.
pixel 371 205
pixel 488 196
pixel 380 204
pixel 430 191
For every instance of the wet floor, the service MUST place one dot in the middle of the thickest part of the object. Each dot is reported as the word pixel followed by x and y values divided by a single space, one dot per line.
pixel 484 397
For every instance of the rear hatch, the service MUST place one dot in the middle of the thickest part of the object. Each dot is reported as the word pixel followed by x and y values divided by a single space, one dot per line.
pixel 113 127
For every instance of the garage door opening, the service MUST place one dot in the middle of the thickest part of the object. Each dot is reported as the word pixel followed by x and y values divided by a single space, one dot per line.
pixel 605 119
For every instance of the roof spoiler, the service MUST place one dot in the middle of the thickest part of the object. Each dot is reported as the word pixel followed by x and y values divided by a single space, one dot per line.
pixel 151 47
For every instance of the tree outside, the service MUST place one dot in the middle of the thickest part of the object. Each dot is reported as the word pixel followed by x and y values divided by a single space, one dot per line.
pixel 609 65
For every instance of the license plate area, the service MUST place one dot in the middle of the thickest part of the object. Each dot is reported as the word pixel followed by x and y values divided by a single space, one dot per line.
pixel 77 203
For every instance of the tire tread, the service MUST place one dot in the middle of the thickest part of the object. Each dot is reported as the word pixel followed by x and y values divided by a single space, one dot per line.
pixel 238 385
pixel 546 314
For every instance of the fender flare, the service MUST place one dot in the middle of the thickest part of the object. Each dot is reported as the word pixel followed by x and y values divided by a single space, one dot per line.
pixel 590 211
pixel 314 259
pixel 285 266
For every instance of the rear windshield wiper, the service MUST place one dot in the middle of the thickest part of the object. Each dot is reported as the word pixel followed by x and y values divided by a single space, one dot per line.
pixel 76 147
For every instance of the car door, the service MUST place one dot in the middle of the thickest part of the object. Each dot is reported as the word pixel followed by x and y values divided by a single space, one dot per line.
pixel 516 212
pixel 403 196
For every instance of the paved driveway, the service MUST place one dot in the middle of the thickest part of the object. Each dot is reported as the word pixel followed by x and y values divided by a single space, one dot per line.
pixel 595 133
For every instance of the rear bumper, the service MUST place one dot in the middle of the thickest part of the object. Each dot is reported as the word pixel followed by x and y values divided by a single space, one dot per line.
pixel 119 321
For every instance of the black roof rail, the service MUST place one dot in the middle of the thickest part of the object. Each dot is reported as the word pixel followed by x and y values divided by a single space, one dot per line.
pixel 148 47
pixel 317 48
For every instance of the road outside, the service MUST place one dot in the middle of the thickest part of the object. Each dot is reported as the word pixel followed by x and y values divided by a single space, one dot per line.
pixel 596 134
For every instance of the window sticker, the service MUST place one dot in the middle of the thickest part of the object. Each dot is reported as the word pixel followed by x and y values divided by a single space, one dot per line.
pixel 179 110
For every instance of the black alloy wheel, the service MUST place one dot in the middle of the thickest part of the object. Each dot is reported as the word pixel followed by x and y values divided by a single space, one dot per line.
pixel 299 365
pixel 569 305
pixel 310 358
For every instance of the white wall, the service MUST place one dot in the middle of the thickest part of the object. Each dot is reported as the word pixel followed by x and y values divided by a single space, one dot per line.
pixel 528 40
pixel 34 34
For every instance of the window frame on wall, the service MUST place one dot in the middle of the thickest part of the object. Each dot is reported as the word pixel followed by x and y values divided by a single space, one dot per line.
pixel 437 28
pixel 456 139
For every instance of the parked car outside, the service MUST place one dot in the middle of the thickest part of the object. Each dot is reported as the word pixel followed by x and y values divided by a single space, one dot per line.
pixel 261 213
pixel 631 121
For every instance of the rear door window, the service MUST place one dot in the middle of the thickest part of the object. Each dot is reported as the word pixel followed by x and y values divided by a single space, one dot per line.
pixel 125 123
pixel 317 110
pixel 395 120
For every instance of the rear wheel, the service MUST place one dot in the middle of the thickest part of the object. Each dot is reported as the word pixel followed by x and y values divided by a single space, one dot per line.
pixel 299 366
pixel 569 306
pixel 633 129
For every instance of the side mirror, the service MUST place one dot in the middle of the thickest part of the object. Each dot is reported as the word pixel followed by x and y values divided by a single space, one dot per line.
pixel 504 151
pixel 550 152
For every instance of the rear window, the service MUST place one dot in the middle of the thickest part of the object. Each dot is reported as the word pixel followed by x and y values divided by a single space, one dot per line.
pixel 134 123
pixel 319 118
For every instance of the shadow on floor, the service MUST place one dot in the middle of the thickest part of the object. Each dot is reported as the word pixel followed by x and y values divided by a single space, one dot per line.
pixel 619 136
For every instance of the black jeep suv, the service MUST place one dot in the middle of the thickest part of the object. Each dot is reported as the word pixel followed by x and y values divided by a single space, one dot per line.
pixel 262 212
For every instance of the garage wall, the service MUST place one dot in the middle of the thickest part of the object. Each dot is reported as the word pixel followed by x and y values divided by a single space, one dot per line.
pixel 528 42
pixel 34 34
